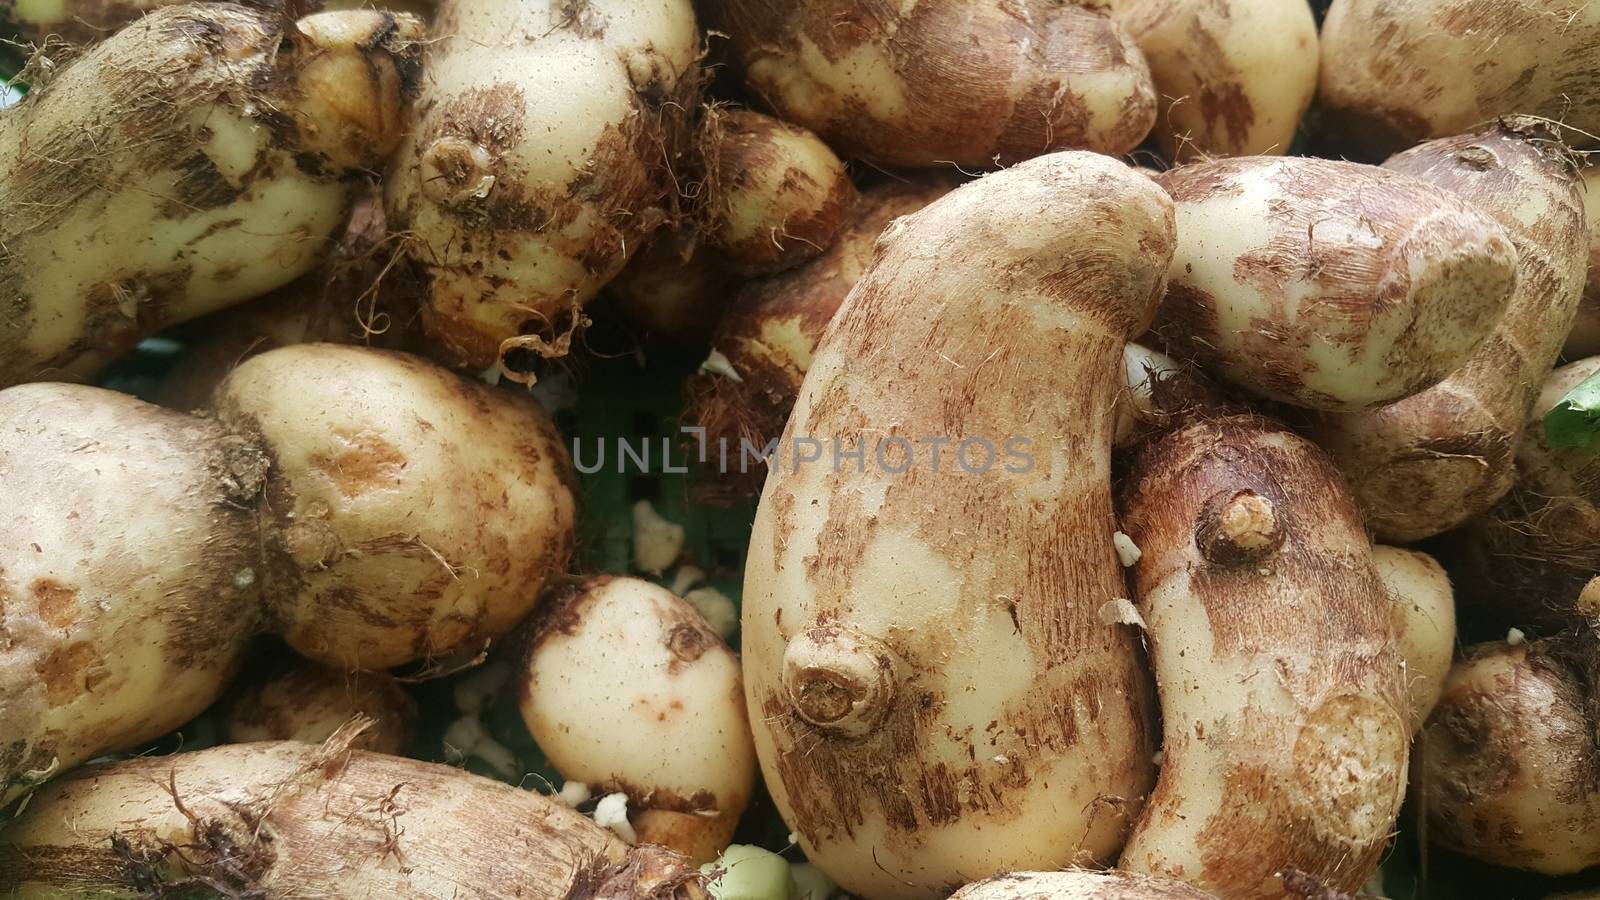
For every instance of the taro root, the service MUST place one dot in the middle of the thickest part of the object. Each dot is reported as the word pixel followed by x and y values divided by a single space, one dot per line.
pixel 83 22
pixel 1432 461
pixel 369 507
pixel 409 514
pixel 776 196
pixel 306 702
pixel 1423 605
pixel 1283 696
pixel 626 689
pixel 1395 72
pixel 931 84
pixel 297 820
pixel 1329 285
pixel 543 156
pixel 1527 561
pixel 676 290
pixel 1079 885
pixel 934 693
pixel 767 339
pixel 129 570
pixel 202 157
pixel 1234 76
pixel 1509 769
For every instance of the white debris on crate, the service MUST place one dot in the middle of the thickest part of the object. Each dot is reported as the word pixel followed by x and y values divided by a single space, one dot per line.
pixel 715 607
pixel 556 391
pixel 718 364
pixel 472 692
pixel 467 738
pixel 574 793
pixel 810 883
pixel 685 578
pixel 657 542
pixel 612 812
pixel 1515 637
pixel 1121 612
pixel 1127 551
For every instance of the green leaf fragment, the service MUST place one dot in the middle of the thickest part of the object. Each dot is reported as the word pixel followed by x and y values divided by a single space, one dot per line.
pixel 1575 422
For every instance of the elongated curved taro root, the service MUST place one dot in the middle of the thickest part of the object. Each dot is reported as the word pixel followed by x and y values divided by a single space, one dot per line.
pixel 1510 773
pixel 1585 337
pixel 769 335
pixel 201 157
pixel 1424 609
pixel 1234 76
pixel 776 196
pixel 1283 698
pixel 627 689
pixel 1403 71
pixel 128 565
pixel 87 21
pixel 306 702
pixel 542 157
pixel 1078 885
pixel 934 693
pixel 1329 285
pixel 380 509
pixel 1529 558
pixel 929 84
pixel 1432 461
pixel 296 820
pixel 409 514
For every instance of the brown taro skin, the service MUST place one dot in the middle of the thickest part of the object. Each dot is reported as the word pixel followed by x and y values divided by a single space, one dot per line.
pixel 1443 457
pixel 675 290
pixel 934 694
pixel 410 514
pixel 973 84
pixel 1081 884
pixel 285 819
pixel 302 701
pixel 82 22
pixel 204 156
pixel 776 196
pixel 1329 285
pixel 1397 72
pixel 1525 563
pixel 769 335
pixel 1283 698
pixel 1585 337
pixel 549 139
pixel 130 573
pixel 1509 770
